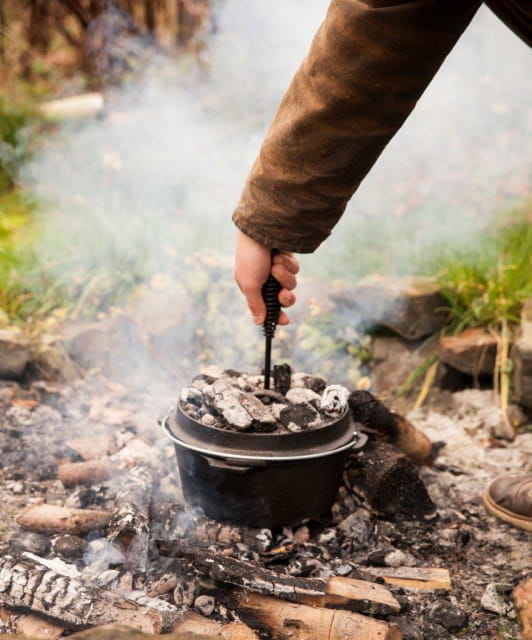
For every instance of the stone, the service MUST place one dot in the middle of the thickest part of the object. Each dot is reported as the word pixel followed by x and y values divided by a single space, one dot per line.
pixel 472 352
pixel 448 616
pixel 496 598
pixel 393 361
pixel 69 547
pixel 115 346
pixel 51 361
pixel 409 306
pixel 521 356
pixel 15 353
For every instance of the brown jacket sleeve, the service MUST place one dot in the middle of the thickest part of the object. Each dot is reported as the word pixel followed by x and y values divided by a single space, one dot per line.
pixel 368 65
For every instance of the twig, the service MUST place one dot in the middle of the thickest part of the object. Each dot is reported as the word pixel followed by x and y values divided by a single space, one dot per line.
pixel 428 380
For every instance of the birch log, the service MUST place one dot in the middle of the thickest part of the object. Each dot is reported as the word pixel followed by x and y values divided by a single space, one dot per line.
pixel 129 524
pixel 33 587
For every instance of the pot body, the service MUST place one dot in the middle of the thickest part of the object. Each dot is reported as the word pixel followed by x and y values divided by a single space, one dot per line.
pixel 263 495
pixel 260 480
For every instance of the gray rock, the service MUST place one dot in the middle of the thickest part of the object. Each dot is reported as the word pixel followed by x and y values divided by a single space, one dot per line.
pixel 36 543
pixel 448 616
pixel 398 558
pixel 412 307
pixel 496 598
pixel 69 547
pixel 472 352
pixel 15 353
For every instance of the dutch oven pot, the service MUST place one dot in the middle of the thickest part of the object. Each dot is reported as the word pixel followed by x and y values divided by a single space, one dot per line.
pixel 260 479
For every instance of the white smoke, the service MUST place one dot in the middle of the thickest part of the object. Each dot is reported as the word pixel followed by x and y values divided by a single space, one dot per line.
pixel 160 174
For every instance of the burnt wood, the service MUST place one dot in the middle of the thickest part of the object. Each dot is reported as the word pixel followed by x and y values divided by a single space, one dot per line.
pixel 354 595
pixel 391 482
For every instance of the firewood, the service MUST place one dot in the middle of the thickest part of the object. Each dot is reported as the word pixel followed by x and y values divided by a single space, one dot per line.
pixel 88 472
pixel 199 625
pixel 87 105
pixel 522 597
pixel 414 577
pixel 92 447
pixel 129 525
pixel 48 518
pixel 303 622
pixel 32 586
pixel 391 482
pixel 367 410
pixel 240 573
pixel 30 625
pixel 355 595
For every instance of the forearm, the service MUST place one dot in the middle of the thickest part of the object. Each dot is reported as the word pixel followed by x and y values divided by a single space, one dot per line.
pixel 368 65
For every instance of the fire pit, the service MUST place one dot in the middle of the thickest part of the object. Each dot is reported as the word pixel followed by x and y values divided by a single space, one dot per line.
pixel 267 474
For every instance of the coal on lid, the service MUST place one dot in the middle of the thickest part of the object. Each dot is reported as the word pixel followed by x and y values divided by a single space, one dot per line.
pixel 229 399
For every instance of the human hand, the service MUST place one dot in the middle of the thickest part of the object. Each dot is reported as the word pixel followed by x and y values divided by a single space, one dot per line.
pixel 253 265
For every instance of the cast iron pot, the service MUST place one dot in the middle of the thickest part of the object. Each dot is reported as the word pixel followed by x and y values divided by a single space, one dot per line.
pixel 260 479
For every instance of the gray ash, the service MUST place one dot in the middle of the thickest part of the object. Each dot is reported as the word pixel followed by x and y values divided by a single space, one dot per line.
pixel 229 399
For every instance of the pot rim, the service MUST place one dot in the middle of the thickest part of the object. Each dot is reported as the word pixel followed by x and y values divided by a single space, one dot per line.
pixel 357 438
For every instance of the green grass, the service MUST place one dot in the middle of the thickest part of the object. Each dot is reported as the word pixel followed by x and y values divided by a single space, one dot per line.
pixel 16 133
pixel 487 285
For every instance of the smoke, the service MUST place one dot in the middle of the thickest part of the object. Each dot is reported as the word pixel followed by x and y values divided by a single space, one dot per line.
pixel 157 178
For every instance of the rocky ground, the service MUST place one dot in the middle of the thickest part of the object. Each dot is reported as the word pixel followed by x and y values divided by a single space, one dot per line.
pixel 42 422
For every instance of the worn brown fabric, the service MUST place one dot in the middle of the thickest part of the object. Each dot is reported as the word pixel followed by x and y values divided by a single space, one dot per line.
pixel 367 66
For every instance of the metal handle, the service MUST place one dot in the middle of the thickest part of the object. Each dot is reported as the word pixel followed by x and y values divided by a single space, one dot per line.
pixel 270 294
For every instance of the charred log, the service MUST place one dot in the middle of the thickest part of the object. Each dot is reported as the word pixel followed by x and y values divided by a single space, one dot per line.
pixel 356 595
pixel 391 482
pixel 370 412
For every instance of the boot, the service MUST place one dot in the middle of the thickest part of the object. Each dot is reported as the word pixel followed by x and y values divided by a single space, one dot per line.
pixel 510 499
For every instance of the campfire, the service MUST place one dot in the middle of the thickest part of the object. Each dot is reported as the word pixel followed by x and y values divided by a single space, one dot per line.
pixel 116 533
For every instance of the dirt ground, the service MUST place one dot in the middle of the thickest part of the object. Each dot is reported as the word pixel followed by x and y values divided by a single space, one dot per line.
pixel 486 558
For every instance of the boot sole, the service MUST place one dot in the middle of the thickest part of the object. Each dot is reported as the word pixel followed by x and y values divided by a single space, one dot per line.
pixel 522 522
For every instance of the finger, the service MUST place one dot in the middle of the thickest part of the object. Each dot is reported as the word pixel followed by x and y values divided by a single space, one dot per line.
pixel 286 298
pixel 285 277
pixel 256 307
pixel 283 319
pixel 288 260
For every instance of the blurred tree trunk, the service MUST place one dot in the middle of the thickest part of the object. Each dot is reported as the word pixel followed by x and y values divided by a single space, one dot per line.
pixel 3 25
pixel 168 24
